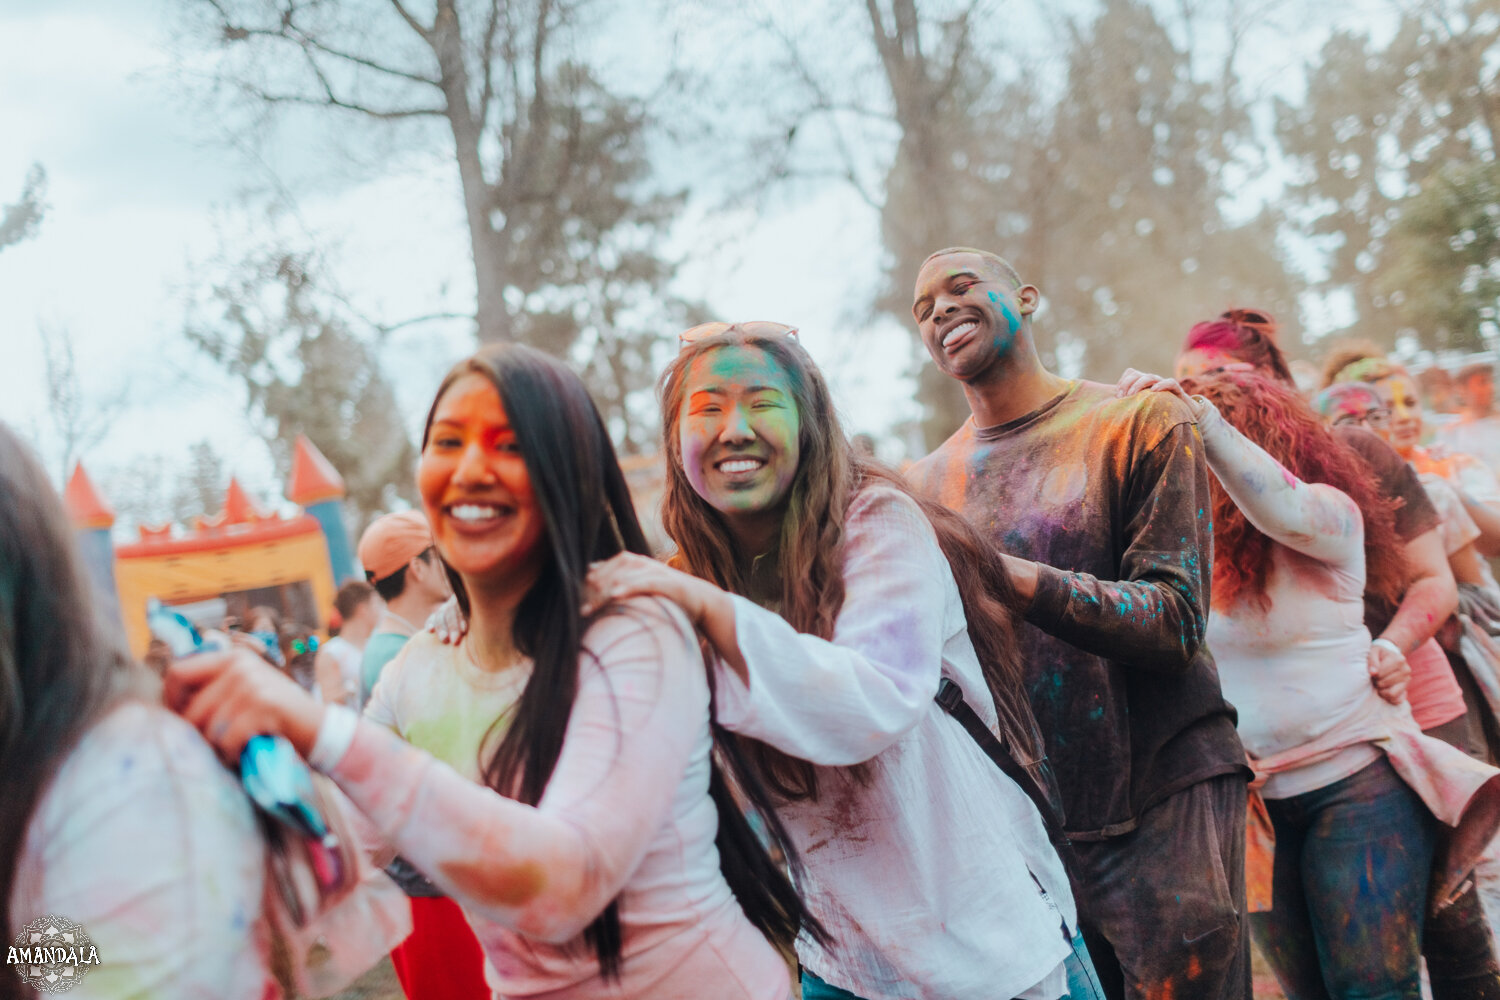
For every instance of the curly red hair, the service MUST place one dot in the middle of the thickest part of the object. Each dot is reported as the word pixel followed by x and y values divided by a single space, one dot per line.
pixel 1278 419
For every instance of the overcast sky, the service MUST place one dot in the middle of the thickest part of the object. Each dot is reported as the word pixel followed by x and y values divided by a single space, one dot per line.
pixel 138 191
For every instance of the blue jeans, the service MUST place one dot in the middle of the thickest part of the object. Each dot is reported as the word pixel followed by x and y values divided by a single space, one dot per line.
pixel 1083 981
pixel 1349 889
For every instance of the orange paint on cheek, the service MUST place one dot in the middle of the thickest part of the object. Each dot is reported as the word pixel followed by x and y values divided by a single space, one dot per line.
pixel 504 886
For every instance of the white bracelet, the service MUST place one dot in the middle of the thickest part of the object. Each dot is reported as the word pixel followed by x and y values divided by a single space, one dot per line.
pixel 1388 644
pixel 335 734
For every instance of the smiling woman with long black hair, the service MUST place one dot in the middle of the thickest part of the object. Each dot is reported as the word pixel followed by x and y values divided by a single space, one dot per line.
pixel 562 786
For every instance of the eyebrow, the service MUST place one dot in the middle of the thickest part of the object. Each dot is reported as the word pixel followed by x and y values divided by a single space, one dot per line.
pixel 716 390
pixel 505 426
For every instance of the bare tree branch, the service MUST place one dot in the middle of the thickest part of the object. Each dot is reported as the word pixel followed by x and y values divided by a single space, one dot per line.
pixel 487 54
pixel 308 40
pixel 412 22
pixel 384 114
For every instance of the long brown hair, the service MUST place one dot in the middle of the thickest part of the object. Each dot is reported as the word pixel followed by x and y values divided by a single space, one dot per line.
pixel 61 665
pixel 1277 418
pixel 810 553
pixel 586 505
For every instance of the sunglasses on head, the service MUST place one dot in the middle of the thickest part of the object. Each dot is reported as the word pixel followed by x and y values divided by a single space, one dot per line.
pixel 308 645
pixel 755 328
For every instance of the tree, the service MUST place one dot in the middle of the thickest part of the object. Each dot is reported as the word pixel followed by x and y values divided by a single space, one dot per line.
pixel 1104 182
pixel 1376 124
pixel 199 490
pixel 1127 238
pixel 306 370
pixel 553 167
pixel 21 220
pixel 79 419
pixel 1442 266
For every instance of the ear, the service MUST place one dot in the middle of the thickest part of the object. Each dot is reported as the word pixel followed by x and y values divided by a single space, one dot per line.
pixel 1028 297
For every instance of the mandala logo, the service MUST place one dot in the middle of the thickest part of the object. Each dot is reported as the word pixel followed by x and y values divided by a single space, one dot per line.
pixel 52 954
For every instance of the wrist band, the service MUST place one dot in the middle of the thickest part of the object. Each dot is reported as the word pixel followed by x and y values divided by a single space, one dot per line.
pixel 335 734
pixel 1385 644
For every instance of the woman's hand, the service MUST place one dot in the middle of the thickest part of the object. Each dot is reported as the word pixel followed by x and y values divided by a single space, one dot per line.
pixel 448 623
pixel 1389 671
pixel 1134 381
pixel 231 695
pixel 631 575
pixel 710 609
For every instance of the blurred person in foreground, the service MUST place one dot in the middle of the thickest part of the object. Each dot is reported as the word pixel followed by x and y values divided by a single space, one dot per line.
pixel 115 813
pixel 400 562
pixel 1352 788
pixel 1101 506
pixel 338 665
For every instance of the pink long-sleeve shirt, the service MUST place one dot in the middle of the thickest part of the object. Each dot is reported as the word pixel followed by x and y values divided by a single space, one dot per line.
pixel 626 814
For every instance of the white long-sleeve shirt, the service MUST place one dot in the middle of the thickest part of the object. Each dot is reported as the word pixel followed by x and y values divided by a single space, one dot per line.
pixel 1296 669
pixel 145 840
pixel 928 875
pixel 626 813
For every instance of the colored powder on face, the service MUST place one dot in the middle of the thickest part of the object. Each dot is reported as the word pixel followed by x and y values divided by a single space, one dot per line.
pixel 1011 318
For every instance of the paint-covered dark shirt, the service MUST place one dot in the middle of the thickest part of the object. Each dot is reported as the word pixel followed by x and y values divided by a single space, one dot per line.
pixel 1111 497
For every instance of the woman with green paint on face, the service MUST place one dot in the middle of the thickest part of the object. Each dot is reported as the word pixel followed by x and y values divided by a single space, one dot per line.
pixel 836 604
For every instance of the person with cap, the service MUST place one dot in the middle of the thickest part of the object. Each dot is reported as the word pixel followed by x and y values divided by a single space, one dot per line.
pixel 441 960
pixel 397 554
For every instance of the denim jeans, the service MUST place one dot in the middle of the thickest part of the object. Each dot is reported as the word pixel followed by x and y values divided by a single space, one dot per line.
pixel 1349 889
pixel 1083 982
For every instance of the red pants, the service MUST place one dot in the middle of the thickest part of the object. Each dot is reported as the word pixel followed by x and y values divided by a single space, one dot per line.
pixel 441 960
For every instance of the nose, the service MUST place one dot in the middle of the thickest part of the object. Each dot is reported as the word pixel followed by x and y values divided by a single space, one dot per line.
pixel 736 428
pixel 472 466
pixel 945 305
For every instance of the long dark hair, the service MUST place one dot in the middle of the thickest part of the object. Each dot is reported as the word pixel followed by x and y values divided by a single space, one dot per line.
pixel 1276 417
pixel 61 666
pixel 811 550
pixel 588 513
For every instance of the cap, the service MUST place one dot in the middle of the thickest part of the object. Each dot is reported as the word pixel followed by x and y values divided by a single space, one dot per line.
pixel 392 541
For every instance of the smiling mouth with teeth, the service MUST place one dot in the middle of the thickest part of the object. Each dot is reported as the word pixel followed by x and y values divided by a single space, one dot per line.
pixel 473 512
pixel 736 465
pixel 961 330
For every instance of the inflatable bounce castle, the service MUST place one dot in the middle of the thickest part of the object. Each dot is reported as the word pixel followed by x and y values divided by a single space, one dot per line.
pixel 242 558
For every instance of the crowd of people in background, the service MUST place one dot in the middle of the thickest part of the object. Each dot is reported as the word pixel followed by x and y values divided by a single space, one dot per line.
pixel 1118 679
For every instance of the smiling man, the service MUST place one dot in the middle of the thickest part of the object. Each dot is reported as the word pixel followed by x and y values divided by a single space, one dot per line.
pixel 1102 506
